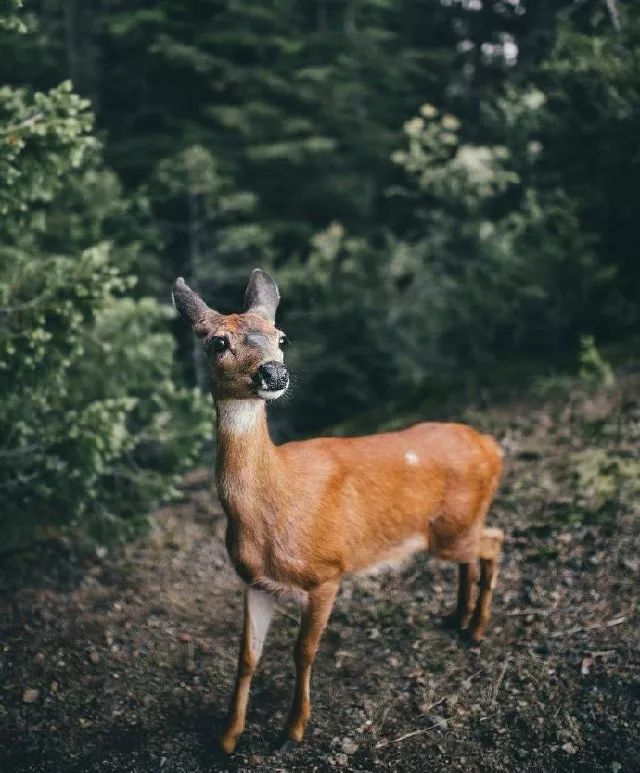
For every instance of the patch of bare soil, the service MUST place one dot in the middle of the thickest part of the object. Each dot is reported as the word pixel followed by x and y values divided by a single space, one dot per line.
pixel 126 662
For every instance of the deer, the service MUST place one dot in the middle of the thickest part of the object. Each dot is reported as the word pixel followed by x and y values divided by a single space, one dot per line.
pixel 302 515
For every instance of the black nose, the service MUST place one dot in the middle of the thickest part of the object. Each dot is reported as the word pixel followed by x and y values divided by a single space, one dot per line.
pixel 272 375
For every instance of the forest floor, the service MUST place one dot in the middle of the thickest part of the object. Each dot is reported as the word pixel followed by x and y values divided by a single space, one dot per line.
pixel 125 662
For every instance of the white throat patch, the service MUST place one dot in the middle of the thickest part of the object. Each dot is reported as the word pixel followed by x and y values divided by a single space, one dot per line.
pixel 238 416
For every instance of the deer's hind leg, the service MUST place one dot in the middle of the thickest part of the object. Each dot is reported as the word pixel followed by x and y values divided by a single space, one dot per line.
pixel 467 577
pixel 490 550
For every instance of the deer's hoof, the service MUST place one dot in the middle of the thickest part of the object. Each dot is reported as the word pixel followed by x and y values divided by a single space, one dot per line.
pixel 228 743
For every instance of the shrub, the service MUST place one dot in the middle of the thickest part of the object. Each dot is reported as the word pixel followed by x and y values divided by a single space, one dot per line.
pixel 93 428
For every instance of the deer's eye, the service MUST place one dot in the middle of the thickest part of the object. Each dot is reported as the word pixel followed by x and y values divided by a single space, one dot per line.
pixel 218 344
pixel 284 341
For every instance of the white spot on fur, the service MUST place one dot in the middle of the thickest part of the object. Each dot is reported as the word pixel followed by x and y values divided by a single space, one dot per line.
pixel 411 458
pixel 260 606
pixel 397 555
pixel 238 416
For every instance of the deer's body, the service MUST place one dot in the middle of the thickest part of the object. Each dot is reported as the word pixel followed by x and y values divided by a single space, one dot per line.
pixel 307 512
pixel 303 514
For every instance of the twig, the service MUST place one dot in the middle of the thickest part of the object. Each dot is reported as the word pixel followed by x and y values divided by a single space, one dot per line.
pixel 496 686
pixel 595 626
pixel 525 612
pixel 434 704
pixel 404 737
pixel 24 124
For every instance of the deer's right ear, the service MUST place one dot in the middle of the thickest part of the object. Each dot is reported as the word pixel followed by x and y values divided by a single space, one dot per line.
pixel 191 306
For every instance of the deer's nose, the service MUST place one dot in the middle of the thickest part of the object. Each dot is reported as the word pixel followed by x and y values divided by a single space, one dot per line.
pixel 272 375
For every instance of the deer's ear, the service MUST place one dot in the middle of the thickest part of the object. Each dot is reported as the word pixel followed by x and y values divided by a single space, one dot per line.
pixel 192 307
pixel 261 296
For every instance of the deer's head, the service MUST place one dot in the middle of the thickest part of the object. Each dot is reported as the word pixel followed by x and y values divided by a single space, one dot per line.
pixel 244 351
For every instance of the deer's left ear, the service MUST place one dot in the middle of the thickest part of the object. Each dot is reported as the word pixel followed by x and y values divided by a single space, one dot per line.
pixel 261 296
pixel 192 307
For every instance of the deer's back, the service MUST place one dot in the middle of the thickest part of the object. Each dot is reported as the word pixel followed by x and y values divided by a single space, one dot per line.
pixel 426 486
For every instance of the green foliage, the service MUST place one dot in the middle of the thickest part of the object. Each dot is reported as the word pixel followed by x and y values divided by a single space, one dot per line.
pixel 510 261
pixel 416 247
pixel 605 482
pixel 43 136
pixel 9 19
pixel 94 429
pixel 594 369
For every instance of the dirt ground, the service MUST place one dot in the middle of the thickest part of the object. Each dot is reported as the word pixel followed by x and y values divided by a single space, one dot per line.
pixel 125 661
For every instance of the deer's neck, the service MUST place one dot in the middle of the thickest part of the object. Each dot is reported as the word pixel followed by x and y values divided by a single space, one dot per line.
pixel 247 465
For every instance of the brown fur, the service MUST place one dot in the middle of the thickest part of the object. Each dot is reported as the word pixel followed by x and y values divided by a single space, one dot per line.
pixel 303 514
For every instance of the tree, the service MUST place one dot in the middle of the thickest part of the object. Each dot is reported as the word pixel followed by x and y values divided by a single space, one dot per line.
pixel 94 428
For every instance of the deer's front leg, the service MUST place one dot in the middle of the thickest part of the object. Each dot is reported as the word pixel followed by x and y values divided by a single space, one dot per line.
pixel 258 611
pixel 314 619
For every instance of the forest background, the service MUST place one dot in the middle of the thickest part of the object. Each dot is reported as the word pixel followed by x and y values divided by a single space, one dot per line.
pixel 446 191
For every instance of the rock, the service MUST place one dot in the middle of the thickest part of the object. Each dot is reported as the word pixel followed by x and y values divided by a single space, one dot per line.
pixel 93 656
pixel 341 759
pixel 569 748
pixel 30 695
pixel 39 658
pixel 348 746
pixel 255 759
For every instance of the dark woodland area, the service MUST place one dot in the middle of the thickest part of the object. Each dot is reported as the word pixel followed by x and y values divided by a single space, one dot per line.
pixel 447 193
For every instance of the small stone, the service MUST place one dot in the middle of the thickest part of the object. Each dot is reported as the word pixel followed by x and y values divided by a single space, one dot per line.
pixel 569 748
pixel 255 759
pixel 93 656
pixel 39 658
pixel 30 695
pixel 53 686
pixel 341 759
pixel 184 636
pixel 348 746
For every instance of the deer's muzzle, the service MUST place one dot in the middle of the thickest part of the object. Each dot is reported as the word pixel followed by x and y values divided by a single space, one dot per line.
pixel 271 377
